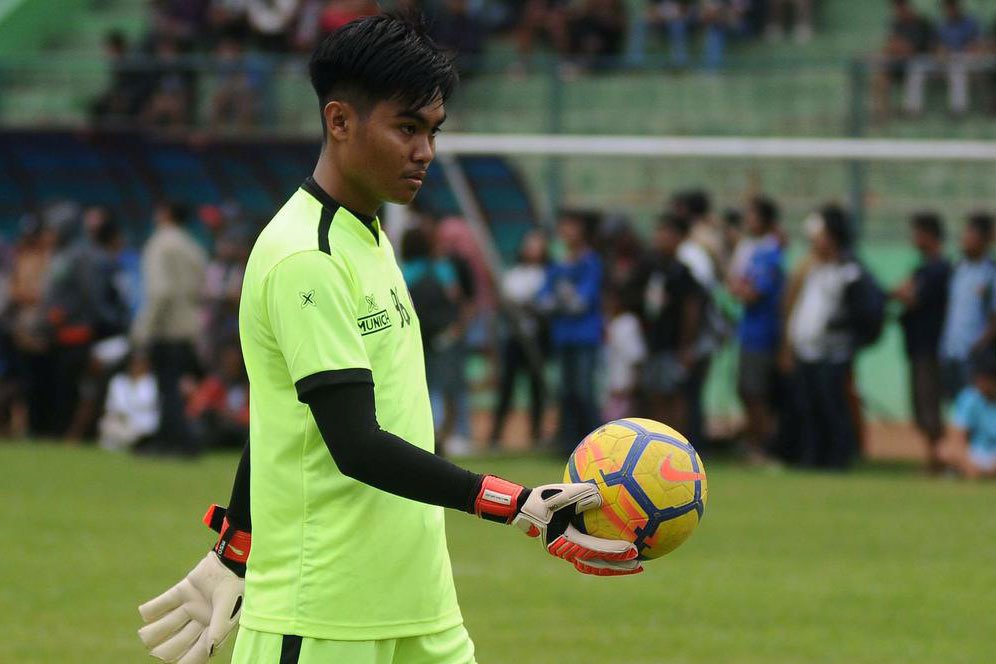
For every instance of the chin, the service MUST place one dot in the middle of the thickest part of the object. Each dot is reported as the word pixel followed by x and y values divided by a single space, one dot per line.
pixel 403 197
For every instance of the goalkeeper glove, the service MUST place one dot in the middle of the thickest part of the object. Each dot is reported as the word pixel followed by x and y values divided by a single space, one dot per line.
pixel 546 511
pixel 188 622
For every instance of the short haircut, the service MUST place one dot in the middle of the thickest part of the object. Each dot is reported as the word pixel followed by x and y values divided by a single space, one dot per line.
pixel 108 232
pixel 767 211
pixel 589 220
pixel 929 222
pixel 117 40
pixel 697 202
pixel 415 244
pixel 381 58
pixel 981 223
pixel 676 222
pixel 837 224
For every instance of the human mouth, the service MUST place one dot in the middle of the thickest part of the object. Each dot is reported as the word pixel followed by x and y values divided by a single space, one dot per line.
pixel 414 178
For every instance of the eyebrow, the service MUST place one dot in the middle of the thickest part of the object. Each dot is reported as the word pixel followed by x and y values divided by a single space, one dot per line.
pixel 420 118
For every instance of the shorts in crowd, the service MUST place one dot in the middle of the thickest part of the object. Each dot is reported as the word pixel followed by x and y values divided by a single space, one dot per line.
pixel 925 381
pixel 756 374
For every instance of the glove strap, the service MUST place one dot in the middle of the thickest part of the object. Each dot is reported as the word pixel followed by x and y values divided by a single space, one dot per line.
pixel 499 500
pixel 233 545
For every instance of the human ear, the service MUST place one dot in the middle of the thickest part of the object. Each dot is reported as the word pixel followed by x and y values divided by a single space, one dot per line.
pixel 339 120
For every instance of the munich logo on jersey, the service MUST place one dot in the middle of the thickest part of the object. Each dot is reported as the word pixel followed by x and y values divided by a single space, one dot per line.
pixel 374 322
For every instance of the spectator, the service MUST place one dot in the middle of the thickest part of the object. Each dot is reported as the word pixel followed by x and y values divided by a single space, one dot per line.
pixel 970 321
pixel 170 322
pixel 82 305
pixel 456 28
pixel 131 412
pixel 542 18
pixel 924 296
pixel 526 340
pixel 218 406
pixel 572 295
pixel 239 86
pixel 33 364
pixel 674 307
pixel 911 38
pixel 119 103
pixel 678 18
pixel 171 101
pixel 435 292
pixel 625 353
pixel 597 31
pixel 801 14
pixel 958 38
pixel 338 13
pixel 971 450
pixel 702 248
pixel 222 289
pixel 823 346
pixel 759 287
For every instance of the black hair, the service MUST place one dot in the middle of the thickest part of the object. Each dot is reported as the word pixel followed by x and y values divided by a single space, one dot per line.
pixel 117 40
pixel 767 211
pixel 676 222
pixel 837 224
pixel 415 244
pixel 381 58
pixel 698 203
pixel 108 232
pixel 983 363
pixel 981 223
pixel 929 222
pixel 178 213
pixel 588 220
pixel 733 218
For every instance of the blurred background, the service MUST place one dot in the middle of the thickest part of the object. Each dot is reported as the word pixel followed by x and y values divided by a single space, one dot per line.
pixel 766 222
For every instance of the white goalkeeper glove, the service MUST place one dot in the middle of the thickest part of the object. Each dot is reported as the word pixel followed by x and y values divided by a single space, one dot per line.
pixel 188 622
pixel 546 511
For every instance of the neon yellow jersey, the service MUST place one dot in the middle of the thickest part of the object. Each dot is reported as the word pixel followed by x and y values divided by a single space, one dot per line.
pixel 323 302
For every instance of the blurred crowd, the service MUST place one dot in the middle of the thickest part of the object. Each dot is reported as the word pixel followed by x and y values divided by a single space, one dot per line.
pixel 138 348
pixel 220 48
pixel 958 49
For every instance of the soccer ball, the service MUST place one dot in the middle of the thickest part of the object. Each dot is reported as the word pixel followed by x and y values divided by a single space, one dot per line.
pixel 652 481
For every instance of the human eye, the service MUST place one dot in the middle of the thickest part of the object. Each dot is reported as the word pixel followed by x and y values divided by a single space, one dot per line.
pixel 408 129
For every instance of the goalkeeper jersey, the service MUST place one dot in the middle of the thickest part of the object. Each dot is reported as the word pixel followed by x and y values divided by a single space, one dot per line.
pixel 323 302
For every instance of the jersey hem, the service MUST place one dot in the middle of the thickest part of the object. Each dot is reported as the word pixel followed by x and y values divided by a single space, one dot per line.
pixel 332 632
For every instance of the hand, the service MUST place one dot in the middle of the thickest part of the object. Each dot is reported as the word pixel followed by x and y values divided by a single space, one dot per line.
pixel 546 511
pixel 188 622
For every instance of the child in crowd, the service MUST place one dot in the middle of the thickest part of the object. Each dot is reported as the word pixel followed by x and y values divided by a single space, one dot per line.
pixel 971 449
pixel 131 412
pixel 218 406
pixel 625 351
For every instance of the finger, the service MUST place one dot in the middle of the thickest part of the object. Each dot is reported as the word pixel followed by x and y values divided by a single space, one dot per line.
pixel 224 614
pixel 161 605
pixel 177 645
pixel 583 495
pixel 607 549
pixel 200 652
pixel 596 568
pixel 156 632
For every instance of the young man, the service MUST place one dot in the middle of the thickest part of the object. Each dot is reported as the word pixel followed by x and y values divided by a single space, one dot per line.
pixel 924 296
pixel 349 559
pixel 759 287
pixel 970 319
pixel 572 296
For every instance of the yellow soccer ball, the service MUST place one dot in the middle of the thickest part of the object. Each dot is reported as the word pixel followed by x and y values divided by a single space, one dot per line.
pixel 652 481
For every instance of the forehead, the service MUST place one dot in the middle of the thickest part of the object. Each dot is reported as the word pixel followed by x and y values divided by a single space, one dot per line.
pixel 431 114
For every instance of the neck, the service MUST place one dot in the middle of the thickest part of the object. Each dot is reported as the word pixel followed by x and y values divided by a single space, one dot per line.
pixel 330 178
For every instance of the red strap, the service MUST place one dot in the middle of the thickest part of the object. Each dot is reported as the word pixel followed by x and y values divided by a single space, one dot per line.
pixel 233 544
pixel 214 518
pixel 498 499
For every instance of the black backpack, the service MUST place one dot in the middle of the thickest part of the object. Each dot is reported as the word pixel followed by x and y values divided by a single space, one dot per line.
pixel 437 310
pixel 865 302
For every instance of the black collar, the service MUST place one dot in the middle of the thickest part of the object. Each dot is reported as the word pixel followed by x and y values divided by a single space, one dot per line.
pixel 332 204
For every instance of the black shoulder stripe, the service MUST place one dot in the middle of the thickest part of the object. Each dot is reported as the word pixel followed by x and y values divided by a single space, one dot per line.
pixel 324 226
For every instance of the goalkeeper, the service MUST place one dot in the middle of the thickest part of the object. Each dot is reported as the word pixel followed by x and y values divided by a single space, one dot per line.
pixel 349 560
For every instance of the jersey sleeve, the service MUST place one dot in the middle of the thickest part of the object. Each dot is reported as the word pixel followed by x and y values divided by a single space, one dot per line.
pixel 311 302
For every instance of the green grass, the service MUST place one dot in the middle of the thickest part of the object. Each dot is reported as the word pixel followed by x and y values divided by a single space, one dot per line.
pixel 880 566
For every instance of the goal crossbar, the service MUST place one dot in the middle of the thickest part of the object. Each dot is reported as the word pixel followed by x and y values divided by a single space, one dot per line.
pixel 851 149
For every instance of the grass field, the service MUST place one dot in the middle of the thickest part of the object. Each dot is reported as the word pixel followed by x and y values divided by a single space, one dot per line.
pixel 879 566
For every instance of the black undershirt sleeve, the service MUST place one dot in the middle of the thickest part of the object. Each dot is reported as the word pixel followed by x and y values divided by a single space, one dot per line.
pixel 347 419
pixel 238 504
